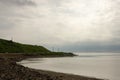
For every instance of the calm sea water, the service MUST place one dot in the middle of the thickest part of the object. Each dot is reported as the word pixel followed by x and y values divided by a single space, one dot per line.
pixel 99 65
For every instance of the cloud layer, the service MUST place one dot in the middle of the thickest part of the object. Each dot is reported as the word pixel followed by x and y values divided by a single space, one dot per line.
pixel 17 2
pixel 61 22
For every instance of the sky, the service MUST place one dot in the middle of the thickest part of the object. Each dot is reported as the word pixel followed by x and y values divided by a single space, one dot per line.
pixel 65 25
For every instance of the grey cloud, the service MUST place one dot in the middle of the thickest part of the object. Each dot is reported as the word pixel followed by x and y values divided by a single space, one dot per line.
pixel 4 24
pixel 11 13
pixel 17 2
pixel 90 47
pixel 56 3
pixel 62 24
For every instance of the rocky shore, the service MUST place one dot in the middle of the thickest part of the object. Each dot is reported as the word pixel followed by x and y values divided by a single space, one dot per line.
pixel 10 70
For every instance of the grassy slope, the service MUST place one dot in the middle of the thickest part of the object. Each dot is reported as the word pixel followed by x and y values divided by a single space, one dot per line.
pixel 7 46
pixel 13 47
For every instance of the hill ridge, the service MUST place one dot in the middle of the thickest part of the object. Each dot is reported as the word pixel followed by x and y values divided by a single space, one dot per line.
pixel 8 46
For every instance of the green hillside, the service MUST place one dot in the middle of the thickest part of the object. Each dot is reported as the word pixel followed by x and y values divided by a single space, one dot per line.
pixel 8 46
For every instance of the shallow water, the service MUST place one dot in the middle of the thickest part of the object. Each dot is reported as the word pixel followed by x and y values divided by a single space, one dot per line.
pixel 100 65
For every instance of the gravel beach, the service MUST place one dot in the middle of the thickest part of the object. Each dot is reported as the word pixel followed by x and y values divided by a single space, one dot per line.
pixel 10 70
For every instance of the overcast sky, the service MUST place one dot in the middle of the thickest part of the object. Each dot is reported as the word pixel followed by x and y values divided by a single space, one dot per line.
pixel 70 25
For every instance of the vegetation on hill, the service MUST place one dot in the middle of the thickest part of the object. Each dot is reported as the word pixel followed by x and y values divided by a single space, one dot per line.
pixel 8 46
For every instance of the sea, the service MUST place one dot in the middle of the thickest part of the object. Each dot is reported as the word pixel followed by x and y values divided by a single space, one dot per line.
pixel 99 65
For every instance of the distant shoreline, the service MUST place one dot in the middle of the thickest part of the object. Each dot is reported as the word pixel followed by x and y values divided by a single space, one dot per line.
pixel 11 70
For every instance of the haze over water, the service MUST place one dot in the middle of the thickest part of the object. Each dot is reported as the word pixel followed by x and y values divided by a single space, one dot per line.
pixel 99 65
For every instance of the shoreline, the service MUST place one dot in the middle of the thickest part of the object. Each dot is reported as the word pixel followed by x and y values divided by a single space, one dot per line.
pixel 9 69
